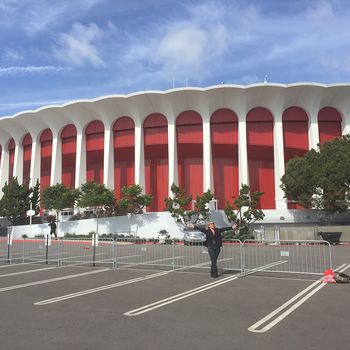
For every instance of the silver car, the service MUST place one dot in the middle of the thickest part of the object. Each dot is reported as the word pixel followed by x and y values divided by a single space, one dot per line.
pixel 193 236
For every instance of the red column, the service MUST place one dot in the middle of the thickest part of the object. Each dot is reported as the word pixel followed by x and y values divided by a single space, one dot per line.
pixel 69 149
pixel 261 155
pixel 189 136
pixel 295 137
pixel 329 124
pixel 27 155
pixel 124 154
pixel 11 150
pixel 224 144
pixel 156 159
pixel 94 151
pixel 46 154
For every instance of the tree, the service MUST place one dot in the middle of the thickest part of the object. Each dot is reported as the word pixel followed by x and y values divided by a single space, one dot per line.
pixel 95 195
pixel 15 201
pixel 58 197
pixel 246 213
pixel 202 205
pixel 321 178
pixel 178 204
pixel 132 200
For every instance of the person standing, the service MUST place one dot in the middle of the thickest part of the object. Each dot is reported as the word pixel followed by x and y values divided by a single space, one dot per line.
pixel 53 227
pixel 213 242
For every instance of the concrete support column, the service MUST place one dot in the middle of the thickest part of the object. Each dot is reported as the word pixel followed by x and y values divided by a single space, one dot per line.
pixel 139 156
pixel 80 163
pixel 56 159
pixel 35 161
pixel 314 137
pixel 207 158
pixel 108 161
pixel 279 170
pixel 4 169
pixel 242 151
pixel 172 155
pixel 18 162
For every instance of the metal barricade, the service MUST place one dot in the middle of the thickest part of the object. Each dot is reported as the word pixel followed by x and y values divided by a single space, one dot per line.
pixel 89 251
pixel 278 256
pixel 138 252
pixel 289 256
pixel 3 250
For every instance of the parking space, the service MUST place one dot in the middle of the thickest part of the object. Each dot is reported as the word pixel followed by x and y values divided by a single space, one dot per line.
pixel 71 307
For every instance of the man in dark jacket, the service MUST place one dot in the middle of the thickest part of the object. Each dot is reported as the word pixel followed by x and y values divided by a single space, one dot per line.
pixel 213 243
pixel 53 227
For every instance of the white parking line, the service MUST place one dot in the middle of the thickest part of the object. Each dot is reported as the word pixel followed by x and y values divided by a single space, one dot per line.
pixel 312 289
pixel 28 271
pixel 189 293
pixel 177 297
pixel 99 289
pixel 30 284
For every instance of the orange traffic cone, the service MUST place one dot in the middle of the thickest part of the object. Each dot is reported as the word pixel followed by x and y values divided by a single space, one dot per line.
pixel 329 276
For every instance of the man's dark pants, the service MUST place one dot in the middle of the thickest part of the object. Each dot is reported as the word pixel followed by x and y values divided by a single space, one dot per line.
pixel 214 254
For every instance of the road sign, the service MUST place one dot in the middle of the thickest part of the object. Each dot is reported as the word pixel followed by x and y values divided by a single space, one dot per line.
pixel 30 212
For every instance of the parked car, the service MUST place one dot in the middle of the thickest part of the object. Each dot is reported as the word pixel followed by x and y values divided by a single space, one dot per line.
pixel 164 237
pixel 193 237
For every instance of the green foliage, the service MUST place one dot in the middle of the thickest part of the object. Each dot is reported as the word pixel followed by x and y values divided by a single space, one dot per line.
pixel 15 202
pixel 246 213
pixel 177 205
pixel 132 200
pixel 95 195
pixel 58 197
pixel 321 178
pixel 202 204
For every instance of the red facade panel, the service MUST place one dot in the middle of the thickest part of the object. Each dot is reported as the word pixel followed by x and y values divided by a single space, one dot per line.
pixel 124 154
pixel 224 144
pixel 27 154
pixel 189 136
pixel 45 169
pixel 69 149
pixel 156 160
pixel 329 124
pixel 11 150
pixel 94 151
pixel 295 137
pixel 261 155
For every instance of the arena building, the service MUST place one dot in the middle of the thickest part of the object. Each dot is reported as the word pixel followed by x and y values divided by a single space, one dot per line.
pixel 199 138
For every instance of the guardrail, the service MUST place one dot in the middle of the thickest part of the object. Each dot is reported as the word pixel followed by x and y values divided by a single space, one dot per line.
pixel 288 256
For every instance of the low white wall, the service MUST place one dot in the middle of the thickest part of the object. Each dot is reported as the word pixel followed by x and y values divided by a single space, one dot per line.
pixel 145 225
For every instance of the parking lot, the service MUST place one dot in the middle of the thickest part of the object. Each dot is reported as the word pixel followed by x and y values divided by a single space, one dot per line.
pixel 45 306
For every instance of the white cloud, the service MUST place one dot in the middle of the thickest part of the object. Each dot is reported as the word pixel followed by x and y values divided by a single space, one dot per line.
pixel 18 70
pixel 79 46
pixel 13 55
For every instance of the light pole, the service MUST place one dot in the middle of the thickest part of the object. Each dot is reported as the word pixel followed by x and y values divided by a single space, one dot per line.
pixel 30 213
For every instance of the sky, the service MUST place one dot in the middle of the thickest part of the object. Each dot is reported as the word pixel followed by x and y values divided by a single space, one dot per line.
pixel 53 52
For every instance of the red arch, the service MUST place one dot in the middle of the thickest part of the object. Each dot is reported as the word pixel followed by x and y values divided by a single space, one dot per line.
pixel 27 156
pixel 155 129
pixel 261 155
pixel 329 124
pixel 46 155
pixel 69 149
pixel 94 151
pixel 11 149
pixel 189 136
pixel 224 145
pixel 124 153
pixel 295 136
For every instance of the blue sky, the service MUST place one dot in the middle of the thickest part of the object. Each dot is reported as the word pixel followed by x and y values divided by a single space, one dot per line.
pixel 57 51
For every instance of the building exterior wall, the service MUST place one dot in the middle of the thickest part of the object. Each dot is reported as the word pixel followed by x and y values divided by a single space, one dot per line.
pixel 214 138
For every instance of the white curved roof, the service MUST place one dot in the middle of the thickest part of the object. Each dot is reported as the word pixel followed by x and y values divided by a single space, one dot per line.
pixel 240 98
